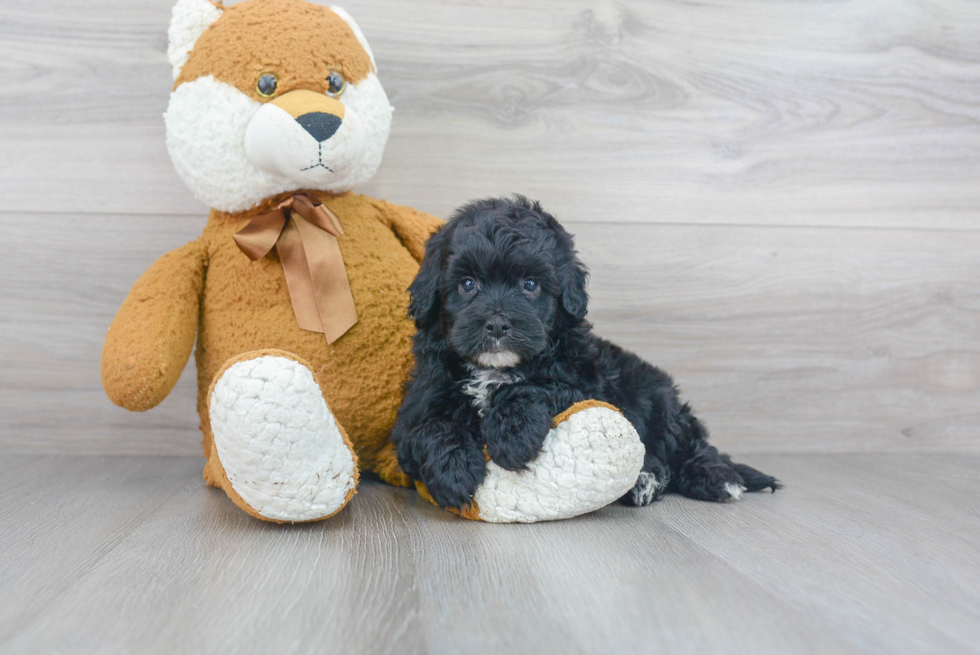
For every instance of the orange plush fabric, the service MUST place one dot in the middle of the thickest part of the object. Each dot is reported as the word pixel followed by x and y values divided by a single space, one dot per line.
pixel 236 306
pixel 363 372
pixel 153 333
pixel 209 291
pixel 237 48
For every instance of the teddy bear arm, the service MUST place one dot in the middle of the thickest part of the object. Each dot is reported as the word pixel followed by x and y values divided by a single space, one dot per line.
pixel 150 339
pixel 412 227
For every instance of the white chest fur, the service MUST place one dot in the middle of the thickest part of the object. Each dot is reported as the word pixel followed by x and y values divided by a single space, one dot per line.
pixel 484 380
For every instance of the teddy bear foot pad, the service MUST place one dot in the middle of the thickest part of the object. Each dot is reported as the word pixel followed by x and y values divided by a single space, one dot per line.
pixel 282 452
pixel 590 459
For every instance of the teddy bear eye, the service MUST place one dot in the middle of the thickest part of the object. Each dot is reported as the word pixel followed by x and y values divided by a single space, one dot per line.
pixel 467 286
pixel 530 285
pixel 266 85
pixel 335 84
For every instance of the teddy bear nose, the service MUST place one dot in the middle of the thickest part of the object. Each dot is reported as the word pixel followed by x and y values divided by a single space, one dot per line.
pixel 320 124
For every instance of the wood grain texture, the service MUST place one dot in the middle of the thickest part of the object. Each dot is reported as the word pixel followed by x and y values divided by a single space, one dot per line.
pixel 859 553
pixel 611 582
pixel 793 339
pixel 61 516
pixel 200 576
pixel 783 339
pixel 55 307
pixel 862 539
pixel 778 200
pixel 816 113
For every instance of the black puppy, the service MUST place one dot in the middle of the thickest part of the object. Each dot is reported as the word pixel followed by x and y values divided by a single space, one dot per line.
pixel 503 346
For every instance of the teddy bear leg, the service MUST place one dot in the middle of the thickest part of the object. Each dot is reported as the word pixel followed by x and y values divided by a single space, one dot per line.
pixel 388 469
pixel 589 459
pixel 277 450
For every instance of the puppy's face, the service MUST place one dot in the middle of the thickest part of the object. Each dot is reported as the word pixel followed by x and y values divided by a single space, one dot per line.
pixel 507 276
pixel 501 292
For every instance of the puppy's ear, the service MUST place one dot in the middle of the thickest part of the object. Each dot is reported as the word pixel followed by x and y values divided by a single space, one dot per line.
pixel 574 277
pixel 572 272
pixel 425 304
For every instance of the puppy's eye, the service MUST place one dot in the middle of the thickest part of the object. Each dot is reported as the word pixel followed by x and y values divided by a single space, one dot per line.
pixel 266 85
pixel 335 84
pixel 467 286
pixel 530 285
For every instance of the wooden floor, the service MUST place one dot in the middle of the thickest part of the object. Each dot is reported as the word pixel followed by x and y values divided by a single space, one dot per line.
pixel 859 553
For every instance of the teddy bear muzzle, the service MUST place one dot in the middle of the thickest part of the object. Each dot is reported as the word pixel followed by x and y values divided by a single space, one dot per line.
pixel 304 136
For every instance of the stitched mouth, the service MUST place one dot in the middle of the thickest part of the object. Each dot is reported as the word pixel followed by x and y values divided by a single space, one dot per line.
pixel 317 165
pixel 319 161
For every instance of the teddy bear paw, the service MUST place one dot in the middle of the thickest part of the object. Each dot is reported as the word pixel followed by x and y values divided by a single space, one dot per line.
pixel 590 459
pixel 280 448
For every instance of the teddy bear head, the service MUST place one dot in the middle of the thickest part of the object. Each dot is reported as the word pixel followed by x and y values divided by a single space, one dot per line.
pixel 272 96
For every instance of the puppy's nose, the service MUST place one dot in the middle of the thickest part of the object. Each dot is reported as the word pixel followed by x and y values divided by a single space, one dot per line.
pixel 319 124
pixel 497 326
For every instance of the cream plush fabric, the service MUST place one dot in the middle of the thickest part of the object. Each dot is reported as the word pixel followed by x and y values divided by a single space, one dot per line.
pixel 588 460
pixel 278 442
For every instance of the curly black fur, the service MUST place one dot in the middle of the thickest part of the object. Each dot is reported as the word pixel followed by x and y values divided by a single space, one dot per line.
pixel 503 346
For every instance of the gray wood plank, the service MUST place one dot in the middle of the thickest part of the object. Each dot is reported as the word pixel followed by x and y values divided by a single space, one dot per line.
pixel 11 462
pixel 616 581
pixel 749 113
pixel 60 516
pixel 799 338
pixel 859 553
pixel 203 577
pixel 860 540
pixel 56 305
pixel 784 339
pixel 392 574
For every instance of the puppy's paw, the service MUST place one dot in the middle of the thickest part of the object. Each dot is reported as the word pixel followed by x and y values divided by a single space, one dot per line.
pixel 454 479
pixel 650 486
pixel 515 432
pixel 647 489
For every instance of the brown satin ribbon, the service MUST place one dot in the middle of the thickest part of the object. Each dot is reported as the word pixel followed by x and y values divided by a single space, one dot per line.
pixel 304 231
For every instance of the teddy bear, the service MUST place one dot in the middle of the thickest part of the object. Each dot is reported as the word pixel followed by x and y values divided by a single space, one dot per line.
pixel 296 292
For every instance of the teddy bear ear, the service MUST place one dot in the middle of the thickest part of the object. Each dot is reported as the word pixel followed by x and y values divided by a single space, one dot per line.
pixel 357 32
pixel 189 20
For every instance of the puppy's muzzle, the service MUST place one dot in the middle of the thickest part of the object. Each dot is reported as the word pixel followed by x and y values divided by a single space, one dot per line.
pixel 321 116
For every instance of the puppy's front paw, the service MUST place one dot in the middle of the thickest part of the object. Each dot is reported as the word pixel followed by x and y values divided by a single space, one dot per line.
pixel 453 480
pixel 514 434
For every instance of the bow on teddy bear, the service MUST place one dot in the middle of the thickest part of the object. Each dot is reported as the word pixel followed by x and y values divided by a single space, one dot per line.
pixel 296 291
